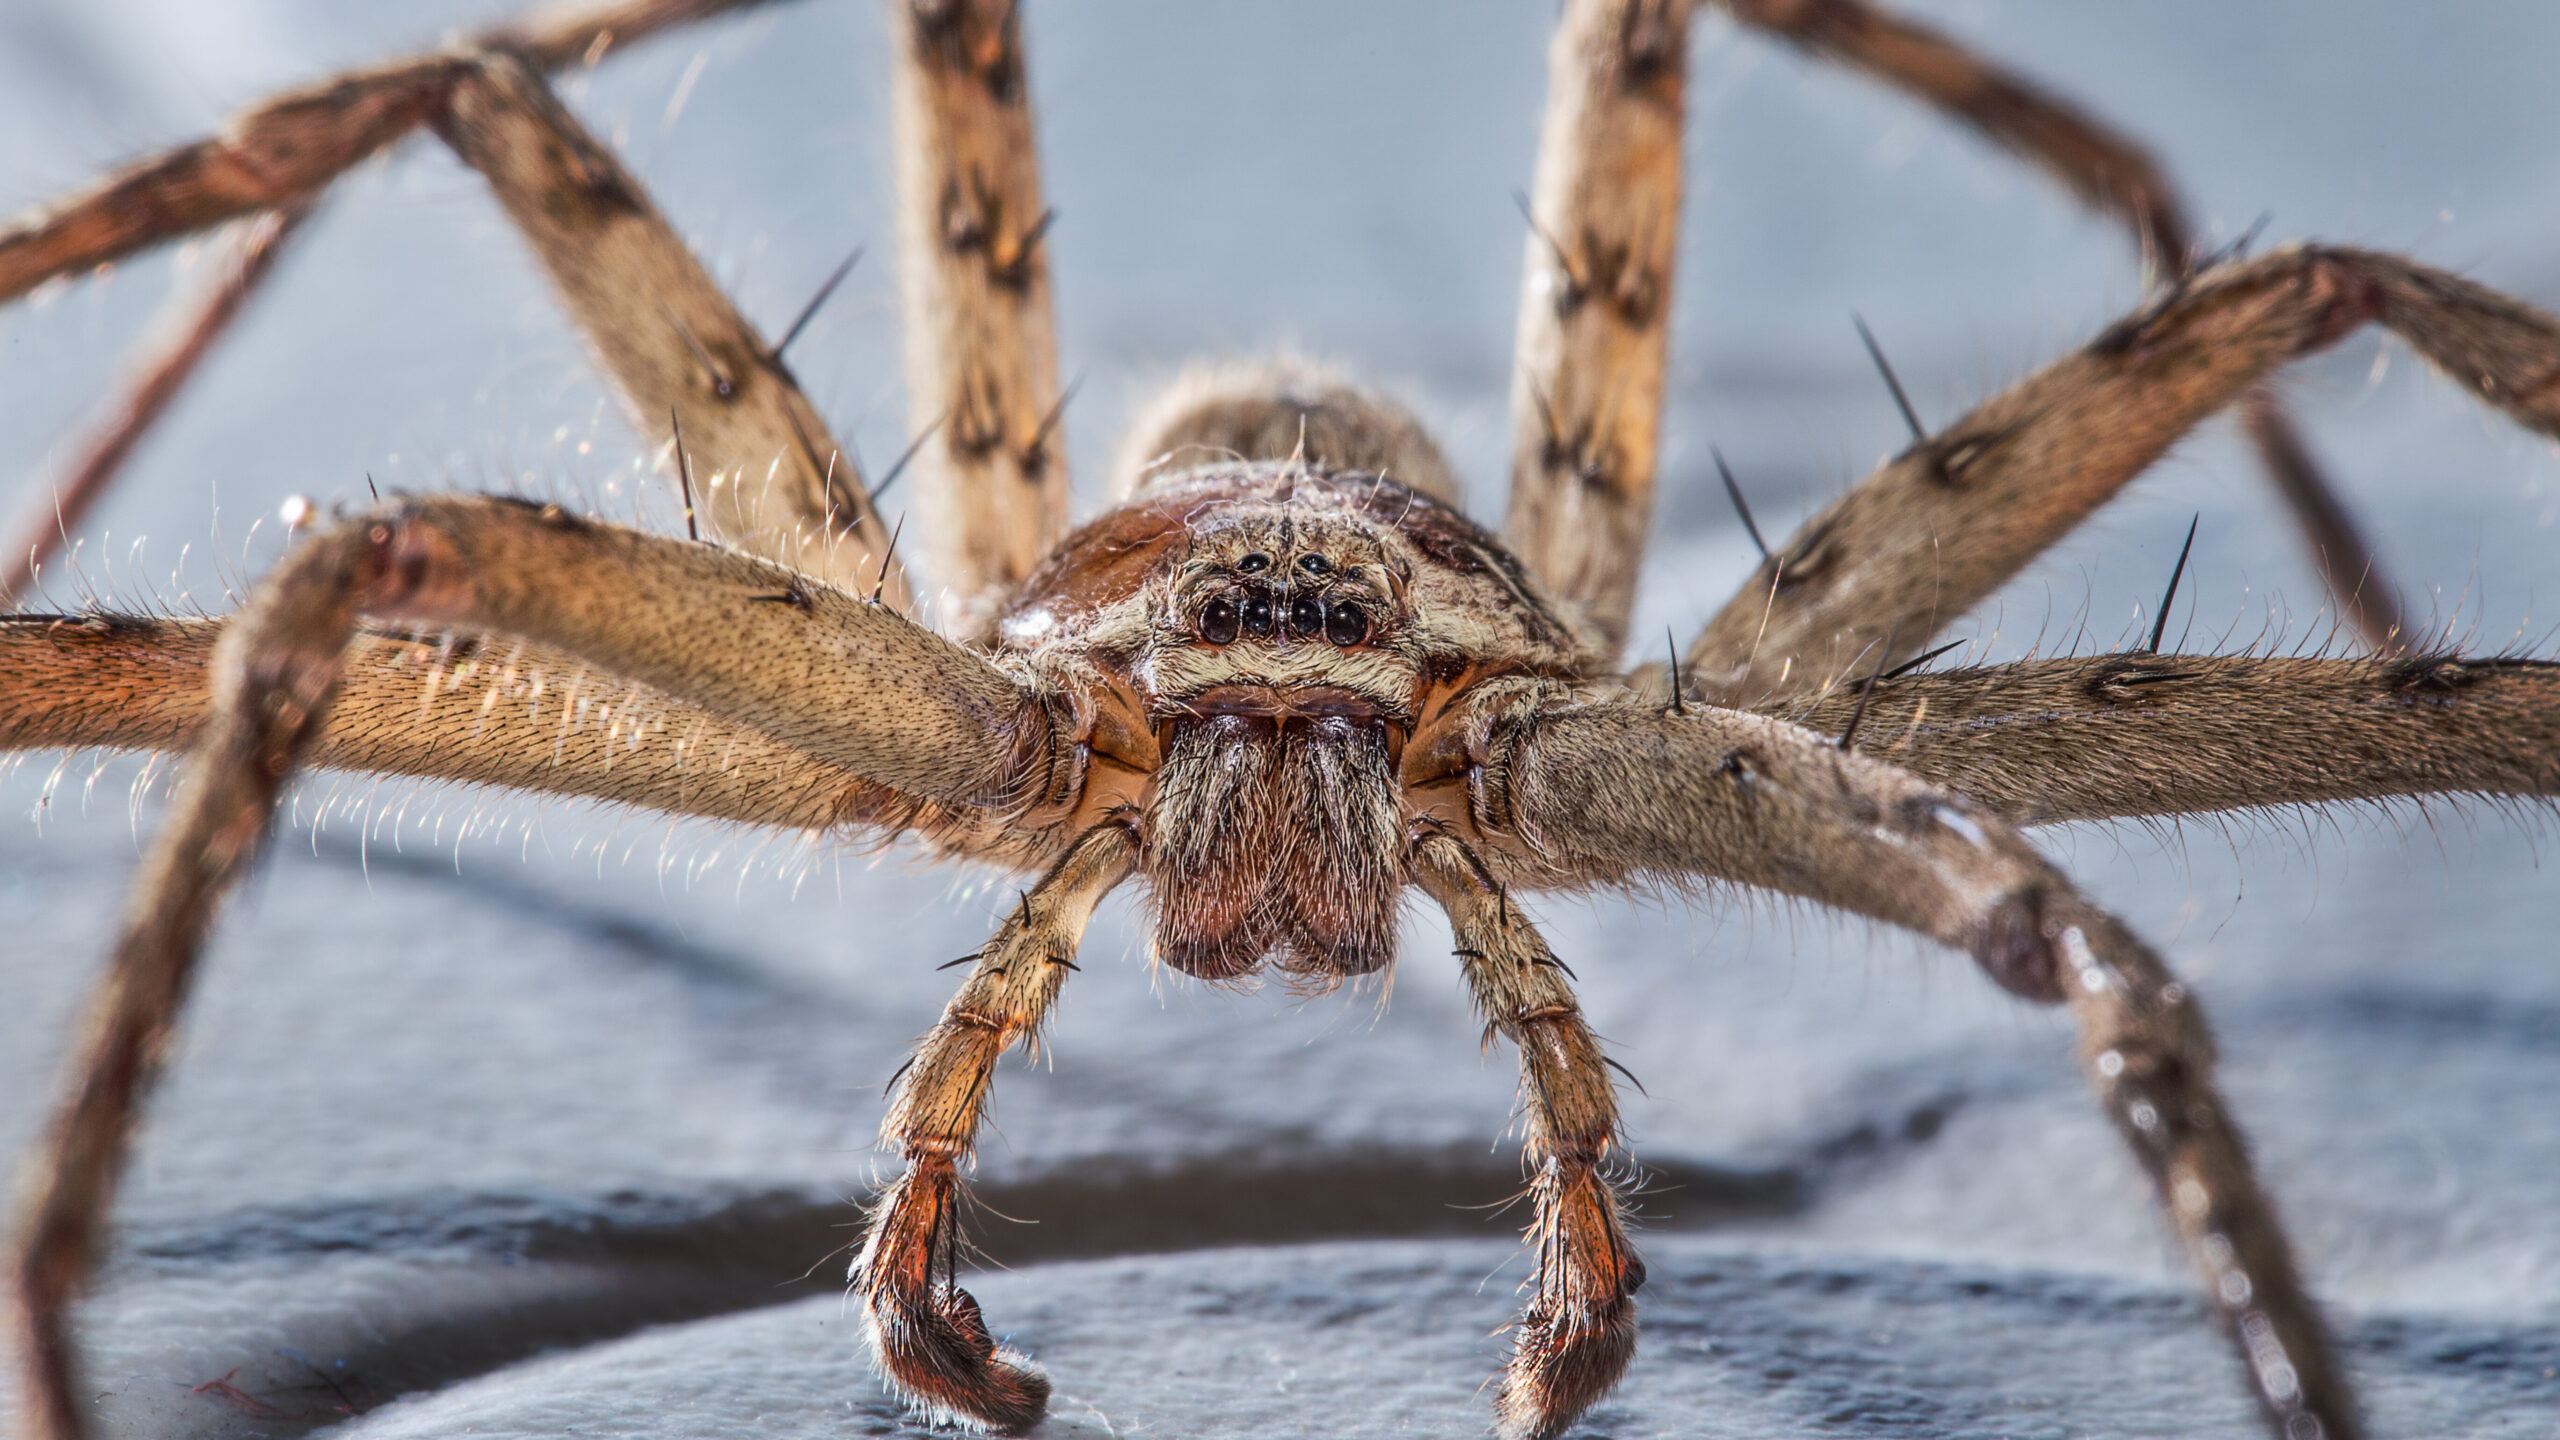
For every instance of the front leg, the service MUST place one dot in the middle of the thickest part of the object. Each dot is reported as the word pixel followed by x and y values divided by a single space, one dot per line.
pixel 931 1343
pixel 849 682
pixel 1579 1330
pixel 1613 793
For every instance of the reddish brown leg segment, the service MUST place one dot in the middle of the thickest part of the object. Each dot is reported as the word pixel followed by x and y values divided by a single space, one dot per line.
pixel 1578 1332
pixel 932 1344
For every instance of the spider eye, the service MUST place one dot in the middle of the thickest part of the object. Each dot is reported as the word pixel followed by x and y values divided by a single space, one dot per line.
pixel 1306 616
pixel 1257 615
pixel 1218 621
pixel 1315 564
pixel 1253 564
pixel 1346 625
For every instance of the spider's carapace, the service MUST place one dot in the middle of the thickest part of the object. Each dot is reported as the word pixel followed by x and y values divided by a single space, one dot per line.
pixel 1277 664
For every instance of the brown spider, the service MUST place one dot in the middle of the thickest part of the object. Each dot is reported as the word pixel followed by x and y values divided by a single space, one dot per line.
pixel 1286 678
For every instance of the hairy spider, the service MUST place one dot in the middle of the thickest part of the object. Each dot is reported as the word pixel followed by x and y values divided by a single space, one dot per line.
pixel 1285 679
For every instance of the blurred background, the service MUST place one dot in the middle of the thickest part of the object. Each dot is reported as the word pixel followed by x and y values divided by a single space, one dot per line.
pixel 474 1089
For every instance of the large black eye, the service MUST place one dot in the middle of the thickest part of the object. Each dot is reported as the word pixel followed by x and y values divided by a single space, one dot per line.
pixel 1315 564
pixel 1218 621
pixel 1306 616
pixel 1257 614
pixel 1346 625
pixel 1253 564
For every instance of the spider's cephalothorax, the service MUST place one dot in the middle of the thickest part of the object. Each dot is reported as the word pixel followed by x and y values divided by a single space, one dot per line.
pixel 1296 641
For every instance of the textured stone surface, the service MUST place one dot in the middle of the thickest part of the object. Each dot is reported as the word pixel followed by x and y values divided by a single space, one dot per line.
pixel 472 1092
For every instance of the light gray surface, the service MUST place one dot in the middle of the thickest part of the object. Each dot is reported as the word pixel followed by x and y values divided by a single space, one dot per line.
pixel 533 1077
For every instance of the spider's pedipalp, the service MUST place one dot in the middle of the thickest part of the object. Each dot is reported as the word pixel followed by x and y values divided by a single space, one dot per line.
pixel 1607 793
pixel 928 1335
pixel 1578 1332
pixel 1916 544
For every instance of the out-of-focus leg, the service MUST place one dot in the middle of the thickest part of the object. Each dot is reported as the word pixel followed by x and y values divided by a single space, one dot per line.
pixel 767 477
pixel 2115 176
pixel 1917 543
pixel 982 354
pixel 289 147
pixel 1595 303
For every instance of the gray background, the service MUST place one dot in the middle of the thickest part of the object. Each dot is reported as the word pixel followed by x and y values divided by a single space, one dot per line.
pixel 473 1088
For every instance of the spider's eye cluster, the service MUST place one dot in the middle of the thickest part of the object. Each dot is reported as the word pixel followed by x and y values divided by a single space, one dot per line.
pixel 1257 613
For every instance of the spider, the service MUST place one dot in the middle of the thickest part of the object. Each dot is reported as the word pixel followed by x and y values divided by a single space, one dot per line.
pixel 1287 679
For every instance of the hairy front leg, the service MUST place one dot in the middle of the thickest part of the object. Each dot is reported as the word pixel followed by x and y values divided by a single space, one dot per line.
pixel 767 477
pixel 468 708
pixel 1619 792
pixel 848 681
pixel 1595 303
pixel 1575 1337
pixel 1920 541
pixel 932 1345
pixel 2104 737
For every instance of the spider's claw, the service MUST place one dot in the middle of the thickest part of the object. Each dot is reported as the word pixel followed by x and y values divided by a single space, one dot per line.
pixel 926 1333
pixel 1565 1359
pixel 935 1353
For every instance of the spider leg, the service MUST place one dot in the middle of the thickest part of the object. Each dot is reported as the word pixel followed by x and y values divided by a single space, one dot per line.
pixel 1578 1332
pixel 852 683
pixel 1605 793
pixel 2114 176
pixel 1938 527
pixel 1595 303
pixel 773 482
pixel 982 355
pixel 475 709
pixel 926 1332
pixel 290 146
pixel 2104 737
pixel 194 326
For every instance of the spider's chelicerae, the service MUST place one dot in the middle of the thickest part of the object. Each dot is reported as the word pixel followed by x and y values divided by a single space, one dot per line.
pixel 1285 680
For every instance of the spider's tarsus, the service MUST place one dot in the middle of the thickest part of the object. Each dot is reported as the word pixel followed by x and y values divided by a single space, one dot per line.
pixel 817 302
pixel 1916 661
pixel 1867 692
pixel 684 475
pixel 1734 490
pixel 2160 622
pixel 1892 382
